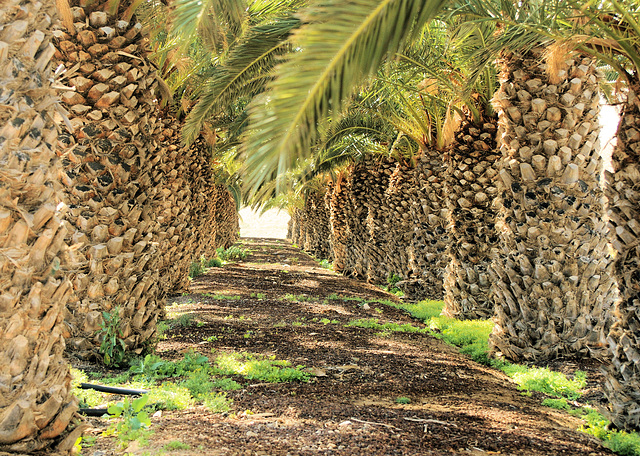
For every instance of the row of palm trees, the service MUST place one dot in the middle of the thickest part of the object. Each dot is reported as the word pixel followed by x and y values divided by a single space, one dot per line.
pixel 553 281
pixel 269 82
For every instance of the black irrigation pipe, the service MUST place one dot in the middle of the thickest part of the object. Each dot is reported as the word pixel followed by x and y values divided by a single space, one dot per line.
pixel 113 389
pixel 106 389
pixel 93 412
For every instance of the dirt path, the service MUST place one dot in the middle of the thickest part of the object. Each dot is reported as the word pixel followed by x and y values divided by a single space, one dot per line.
pixel 351 407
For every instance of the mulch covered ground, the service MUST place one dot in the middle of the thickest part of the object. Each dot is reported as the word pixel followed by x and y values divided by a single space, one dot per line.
pixel 350 406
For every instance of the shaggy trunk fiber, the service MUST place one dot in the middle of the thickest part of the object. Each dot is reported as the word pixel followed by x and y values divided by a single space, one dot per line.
pixel 622 386
pixel 36 406
pixel 297 226
pixel 373 195
pixel 117 181
pixel 225 219
pixel 318 227
pixel 470 194
pixel 426 250
pixel 397 221
pixel 552 279
pixel 357 263
pixel 340 213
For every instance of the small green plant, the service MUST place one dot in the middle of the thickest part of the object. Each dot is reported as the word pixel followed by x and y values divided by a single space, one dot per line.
pixel 559 404
pixel 214 263
pixel 255 367
pixel 87 397
pixel 621 442
pixel 170 396
pixel 248 334
pixel 257 295
pixel 176 445
pixel 153 367
pixel 134 421
pixel 112 344
pixel 403 400
pixel 211 339
pixel 222 297
pixel 226 384
pixel 326 264
pixel 198 383
pixel 216 402
pixel 162 329
pixel 196 269
pixel 298 298
pixel 185 320
pixel 392 280
pixel 372 323
pixel 378 310
pixel 547 381
pixel 232 253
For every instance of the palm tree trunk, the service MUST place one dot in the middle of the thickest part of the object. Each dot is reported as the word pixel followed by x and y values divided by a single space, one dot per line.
pixel 622 386
pixel 471 166
pixel 36 405
pixel 340 213
pixel 357 255
pixel 397 221
pixel 552 279
pixel 317 225
pixel 118 178
pixel 427 249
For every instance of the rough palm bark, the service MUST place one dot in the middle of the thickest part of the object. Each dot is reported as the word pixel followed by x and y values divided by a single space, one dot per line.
pixel 118 179
pixel 36 406
pixel 374 199
pixel 297 233
pixel 622 386
pixel 397 222
pixel 340 213
pixel 553 281
pixel 357 261
pixel 471 168
pixel 427 248
pixel 318 241
pixel 225 219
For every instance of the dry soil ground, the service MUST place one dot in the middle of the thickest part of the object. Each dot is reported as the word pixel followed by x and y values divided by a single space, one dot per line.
pixel 350 406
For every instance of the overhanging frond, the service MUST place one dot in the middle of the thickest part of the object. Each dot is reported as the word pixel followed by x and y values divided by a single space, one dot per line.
pixel 342 43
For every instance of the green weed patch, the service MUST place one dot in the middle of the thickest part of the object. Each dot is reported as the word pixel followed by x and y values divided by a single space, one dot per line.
pixel 373 323
pixel 253 367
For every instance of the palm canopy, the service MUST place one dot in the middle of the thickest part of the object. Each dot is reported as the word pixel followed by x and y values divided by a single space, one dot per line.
pixel 610 30
pixel 340 45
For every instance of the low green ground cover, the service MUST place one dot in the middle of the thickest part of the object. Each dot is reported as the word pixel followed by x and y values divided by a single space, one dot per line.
pixel 179 384
pixel 472 337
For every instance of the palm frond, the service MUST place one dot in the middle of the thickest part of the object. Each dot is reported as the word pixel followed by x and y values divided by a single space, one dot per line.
pixel 344 42
pixel 210 19
pixel 244 74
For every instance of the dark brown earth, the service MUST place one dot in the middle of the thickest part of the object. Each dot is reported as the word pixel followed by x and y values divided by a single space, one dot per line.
pixel 349 408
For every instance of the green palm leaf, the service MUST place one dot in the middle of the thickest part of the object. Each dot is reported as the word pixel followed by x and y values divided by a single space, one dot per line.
pixel 244 73
pixel 344 42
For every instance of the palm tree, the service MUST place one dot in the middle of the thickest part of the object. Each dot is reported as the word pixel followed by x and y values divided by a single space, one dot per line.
pixel 36 404
pixel 112 163
pixel 552 283
pixel 470 160
pixel 132 192
pixel 616 26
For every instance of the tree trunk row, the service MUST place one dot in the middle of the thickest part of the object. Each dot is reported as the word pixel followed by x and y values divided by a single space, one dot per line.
pixel 142 207
pixel 36 405
pixel 381 218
